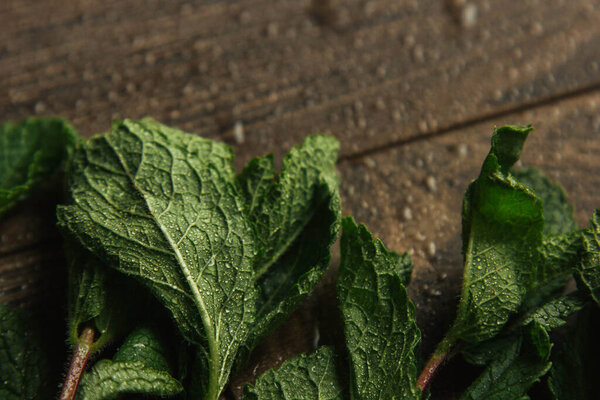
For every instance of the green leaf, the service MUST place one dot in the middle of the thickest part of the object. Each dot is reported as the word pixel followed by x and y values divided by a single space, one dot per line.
pixel 140 366
pixel 379 319
pixel 559 255
pixel 305 377
pixel 30 152
pixel 587 271
pixel 574 373
pixel 512 371
pixel 502 230
pixel 95 297
pixel 553 314
pixel 162 205
pixel 306 203
pixel 558 212
pixel 23 370
pixel 281 210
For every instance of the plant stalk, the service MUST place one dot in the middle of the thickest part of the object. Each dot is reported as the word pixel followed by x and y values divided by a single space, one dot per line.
pixel 78 362
pixel 437 359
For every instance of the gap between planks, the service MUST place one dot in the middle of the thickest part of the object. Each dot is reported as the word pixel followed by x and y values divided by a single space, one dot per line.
pixel 454 128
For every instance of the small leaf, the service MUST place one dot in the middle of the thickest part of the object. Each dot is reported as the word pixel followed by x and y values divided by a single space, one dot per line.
pixel 140 366
pixel 306 196
pixel 512 371
pixel 23 369
pixel 588 270
pixel 281 210
pixel 31 151
pixel 379 319
pixel 305 377
pixel 502 230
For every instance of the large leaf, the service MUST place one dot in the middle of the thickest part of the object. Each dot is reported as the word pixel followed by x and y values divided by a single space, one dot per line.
pixel 379 319
pixel 140 366
pixel 162 205
pixel 305 377
pixel 588 269
pixel 30 152
pixel 297 220
pixel 23 369
pixel 502 230
pixel 514 367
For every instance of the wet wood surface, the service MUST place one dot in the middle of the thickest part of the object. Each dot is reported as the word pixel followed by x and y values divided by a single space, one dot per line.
pixel 411 88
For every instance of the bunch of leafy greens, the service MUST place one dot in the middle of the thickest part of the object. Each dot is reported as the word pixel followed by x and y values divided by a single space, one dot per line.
pixel 158 220
pixel 228 256
pixel 520 245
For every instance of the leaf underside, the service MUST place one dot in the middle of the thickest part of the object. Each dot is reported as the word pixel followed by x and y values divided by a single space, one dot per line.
pixel 502 230
pixel 379 320
pixel 167 208
pixel 162 206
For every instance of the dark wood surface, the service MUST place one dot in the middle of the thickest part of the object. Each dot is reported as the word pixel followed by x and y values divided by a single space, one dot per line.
pixel 411 88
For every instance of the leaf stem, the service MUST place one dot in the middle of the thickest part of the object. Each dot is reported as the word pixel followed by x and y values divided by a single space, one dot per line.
pixel 439 356
pixel 78 362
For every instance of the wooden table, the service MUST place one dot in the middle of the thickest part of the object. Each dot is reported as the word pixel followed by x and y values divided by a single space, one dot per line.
pixel 411 88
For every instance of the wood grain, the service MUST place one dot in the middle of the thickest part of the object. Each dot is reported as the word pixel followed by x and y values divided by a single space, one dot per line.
pixel 373 73
pixel 411 88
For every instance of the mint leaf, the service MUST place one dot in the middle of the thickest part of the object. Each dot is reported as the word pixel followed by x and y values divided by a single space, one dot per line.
pixel 95 297
pixel 512 371
pixel 30 152
pixel 140 366
pixel 587 271
pixel 280 210
pixel 558 212
pixel 296 217
pixel 167 208
pixel 561 243
pixel 575 365
pixel 502 230
pixel 162 206
pixel 558 256
pixel 379 319
pixel 553 314
pixel 23 370
pixel 305 377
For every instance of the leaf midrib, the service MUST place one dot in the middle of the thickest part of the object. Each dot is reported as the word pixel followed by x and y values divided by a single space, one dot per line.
pixel 214 359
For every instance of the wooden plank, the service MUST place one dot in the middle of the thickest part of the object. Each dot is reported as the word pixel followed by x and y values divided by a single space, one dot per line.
pixel 371 72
